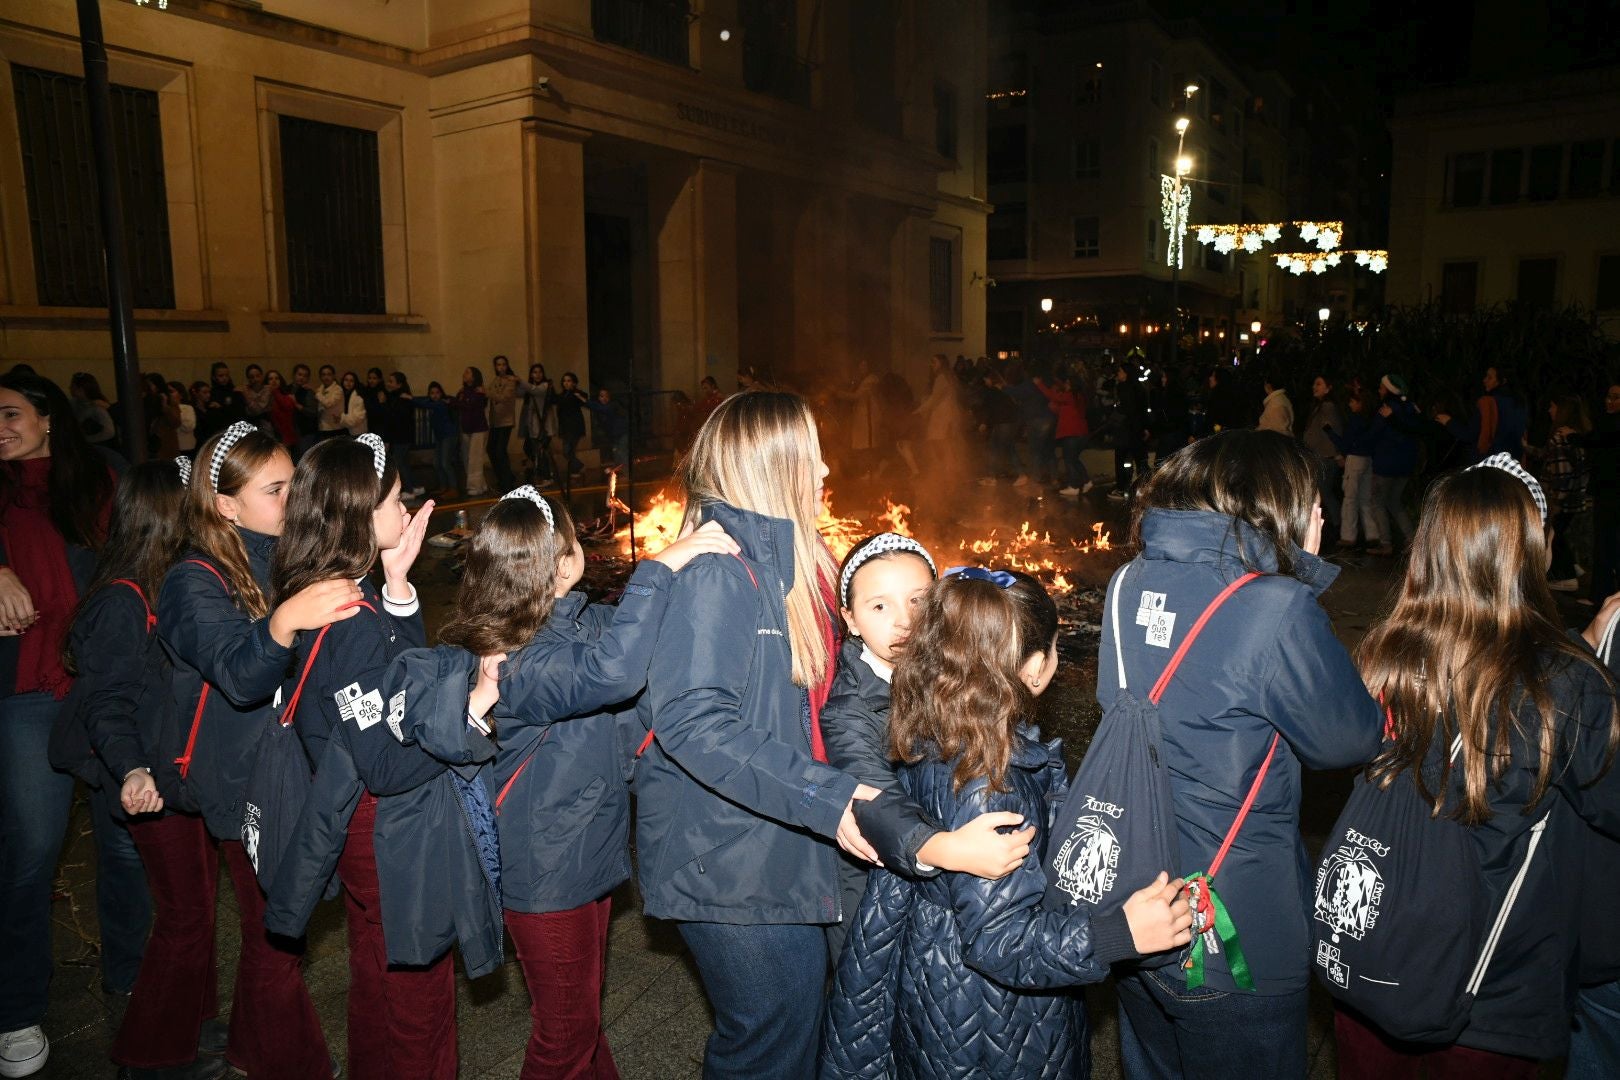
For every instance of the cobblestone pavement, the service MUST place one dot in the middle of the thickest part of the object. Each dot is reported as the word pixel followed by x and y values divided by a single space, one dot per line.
pixel 656 1015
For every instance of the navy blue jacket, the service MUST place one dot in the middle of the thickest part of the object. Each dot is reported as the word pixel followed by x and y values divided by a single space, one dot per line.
pixel 209 638
pixel 438 868
pixel 936 978
pixel 1357 437
pixel 564 805
pixel 1394 439
pixel 731 807
pixel 116 713
pixel 1267 663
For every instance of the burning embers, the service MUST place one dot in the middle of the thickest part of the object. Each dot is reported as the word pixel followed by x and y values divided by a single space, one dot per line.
pixel 1035 553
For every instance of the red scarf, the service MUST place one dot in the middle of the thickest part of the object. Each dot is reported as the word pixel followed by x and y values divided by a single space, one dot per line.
pixel 38 555
pixel 827 618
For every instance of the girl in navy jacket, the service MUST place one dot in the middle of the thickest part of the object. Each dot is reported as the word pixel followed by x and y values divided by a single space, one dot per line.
pixel 936 980
pixel 344 517
pixel 230 651
pixel 561 800
pixel 118 708
pixel 881 588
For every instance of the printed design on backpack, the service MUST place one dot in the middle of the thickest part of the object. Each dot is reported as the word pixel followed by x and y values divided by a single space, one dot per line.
pixel 1349 887
pixel 1088 861
pixel 364 708
pixel 1151 613
pixel 396 715
pixel 251 816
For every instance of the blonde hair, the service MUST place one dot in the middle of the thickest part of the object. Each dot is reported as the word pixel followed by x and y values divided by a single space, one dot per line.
pixel 759 451
pixel 208 530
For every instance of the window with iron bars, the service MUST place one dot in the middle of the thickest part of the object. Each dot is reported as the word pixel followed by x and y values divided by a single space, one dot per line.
pixel 332 218
pixel 59 176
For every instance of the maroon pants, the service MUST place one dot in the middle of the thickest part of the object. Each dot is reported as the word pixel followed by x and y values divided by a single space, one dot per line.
pixel 402 1021
pixel 274 1029
pixel 1365 1053
pixel 177 986
pixel 563 954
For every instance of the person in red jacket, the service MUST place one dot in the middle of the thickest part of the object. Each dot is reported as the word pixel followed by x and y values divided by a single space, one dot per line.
pixel 1065 399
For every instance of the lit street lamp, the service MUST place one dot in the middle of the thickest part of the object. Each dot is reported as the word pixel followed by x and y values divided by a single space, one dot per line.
pixel 1176 197
pixel 1323 314
pixel 1254 327
pixel 1046 305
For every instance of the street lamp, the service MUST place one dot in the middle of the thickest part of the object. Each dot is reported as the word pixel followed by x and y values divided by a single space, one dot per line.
pixel 1323 314
pixel 1177 201
pixel 1046 305
pixel 1254 327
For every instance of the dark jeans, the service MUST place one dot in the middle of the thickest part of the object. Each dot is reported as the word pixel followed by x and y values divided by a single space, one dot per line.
pixel 123 904
pixel 766 986
pixel 1167 1030
pixel 564 956
pixel 402 1020
pixel 1074 467
pixel 1389 510
pixel 400 455
pixel 570 445
pixel 1004 450
pixel 1130 467
pixel 447 463
pixel 1328 474
pixel 538 451
pixel 34 804
pixel 1365 1054
pixel 1040 444
pixel 176 989
pixel 1594 1046
pixel 500 455
pixel 274 1029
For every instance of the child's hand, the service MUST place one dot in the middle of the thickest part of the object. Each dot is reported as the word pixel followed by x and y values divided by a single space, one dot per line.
pixel 397 561
pixel 140 794
pixel 319 605
pixel 709 539
pixel 978 849
pixel 1159 916
pixel 849 833
pixel 486 689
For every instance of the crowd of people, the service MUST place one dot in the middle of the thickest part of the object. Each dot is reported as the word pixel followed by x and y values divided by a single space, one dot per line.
pixel 467 434
pixel 839 796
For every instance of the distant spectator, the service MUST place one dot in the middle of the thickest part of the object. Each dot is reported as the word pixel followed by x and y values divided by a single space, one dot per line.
pixel 472 413
pixel 1354 442
pixel 1561 464
pixel 354 405
pixel 92 410
pixel 612 427
pixel 399 430
pixel 160 439
pixel 1167 414
pixel 570 403
pixel 538 423
pixel 1602 446
pixel 503 409
pixel 225 400
pixel 307 418
pixel 1276 412
pixel 210 414
pixel 1222 407
pixel 256 397
pixel 1325 419
pixel 1130 429
pixel 1068 404
pixel 1038 423
pixel 446 438
pixel 283 409
pixel 1499 423
pixel 185 418
pixel 330 397
pixel 1394 461
pixel 997 417
pixel 376 399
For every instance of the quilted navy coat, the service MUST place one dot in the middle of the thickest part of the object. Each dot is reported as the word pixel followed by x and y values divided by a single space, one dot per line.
pixel 955 976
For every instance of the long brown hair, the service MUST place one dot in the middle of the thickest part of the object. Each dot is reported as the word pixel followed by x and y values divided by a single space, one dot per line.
pixel 144 536
pixel 1473 639
pixel 509 583
pixel 957 690
pixel 1263 481
pixel 759 451
pixel 209 531
pixel 327 531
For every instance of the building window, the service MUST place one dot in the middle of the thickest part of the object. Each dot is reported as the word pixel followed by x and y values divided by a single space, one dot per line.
pixel 1008 232
pixel 60 178
pixel 942 279
pixel 1220 174
pixel 1007 156
pixel 1088 83
pixel 770 50
pixel 1087 159
pixel 1155 166
pixel 1507 176
pixel 1155 82
pixel 1152 240
pixel 1218 103
pixel 1608 283
pixel 1467 179
pixel 1546 172
pixel 1538 282
pixel 1586 169
pixel 656 28
pixel 945 120
pixel 1459 286
pixel 1086 240
pixel 332 210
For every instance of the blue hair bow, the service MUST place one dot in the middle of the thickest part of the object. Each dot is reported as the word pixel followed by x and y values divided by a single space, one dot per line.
pixel 999 578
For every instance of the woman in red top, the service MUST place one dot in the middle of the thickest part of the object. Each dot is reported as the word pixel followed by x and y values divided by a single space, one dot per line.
pixel 283 409
pixel 55 497
pixel 1069 403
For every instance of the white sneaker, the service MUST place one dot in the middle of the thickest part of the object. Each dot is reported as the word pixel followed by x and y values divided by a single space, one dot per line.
pixel 1022 481
pixel 1070 490
pixel 1086 488
pixel 1119 496
pixel 23 1053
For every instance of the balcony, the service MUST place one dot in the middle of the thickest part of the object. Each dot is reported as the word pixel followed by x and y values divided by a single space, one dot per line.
pixel 656 28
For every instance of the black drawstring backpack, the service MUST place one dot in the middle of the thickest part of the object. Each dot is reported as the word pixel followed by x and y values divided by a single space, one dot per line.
pixel 1407 954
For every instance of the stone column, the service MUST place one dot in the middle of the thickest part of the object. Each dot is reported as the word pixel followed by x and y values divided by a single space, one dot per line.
pixel 554 247
pixel 693 215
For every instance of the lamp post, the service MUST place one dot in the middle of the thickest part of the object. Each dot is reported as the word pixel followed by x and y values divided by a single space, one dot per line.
pixel 1177 202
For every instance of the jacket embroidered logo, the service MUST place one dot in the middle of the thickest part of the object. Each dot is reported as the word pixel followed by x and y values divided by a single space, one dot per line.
pixel 365 709
pixel 1086 863
pixel 1348 889
pixel 1161 624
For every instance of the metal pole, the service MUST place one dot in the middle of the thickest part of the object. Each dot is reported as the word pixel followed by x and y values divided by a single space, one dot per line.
pixel 120 305
pixel 630 458
pixel 1175 295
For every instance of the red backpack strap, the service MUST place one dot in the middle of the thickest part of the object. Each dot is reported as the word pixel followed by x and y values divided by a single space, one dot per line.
pixel 506 787
pixel 212 569
pixel 1192 635
pixel 1243 811
pixel 648 741
pixel 288 714
pixel 151 619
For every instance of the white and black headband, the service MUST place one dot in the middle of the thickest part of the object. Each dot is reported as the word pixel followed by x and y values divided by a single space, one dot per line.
pixel 379 452
pixel 227 439
pixel 882 544
pixel 527 491
pixel 1507 464
pixel 183 463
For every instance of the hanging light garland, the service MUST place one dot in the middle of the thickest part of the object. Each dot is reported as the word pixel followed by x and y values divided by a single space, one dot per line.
pixel 1316 262
pixel 1327 234
pixel 1230 237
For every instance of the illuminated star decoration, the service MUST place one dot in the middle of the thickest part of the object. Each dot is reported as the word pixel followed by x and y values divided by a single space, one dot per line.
pixel 1175 203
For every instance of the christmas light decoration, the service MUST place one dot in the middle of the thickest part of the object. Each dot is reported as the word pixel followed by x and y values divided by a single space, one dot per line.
pixel 1326 234
pixel 1251 238
pixel 161 5
pixel 1318 262
pixel 1175 200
